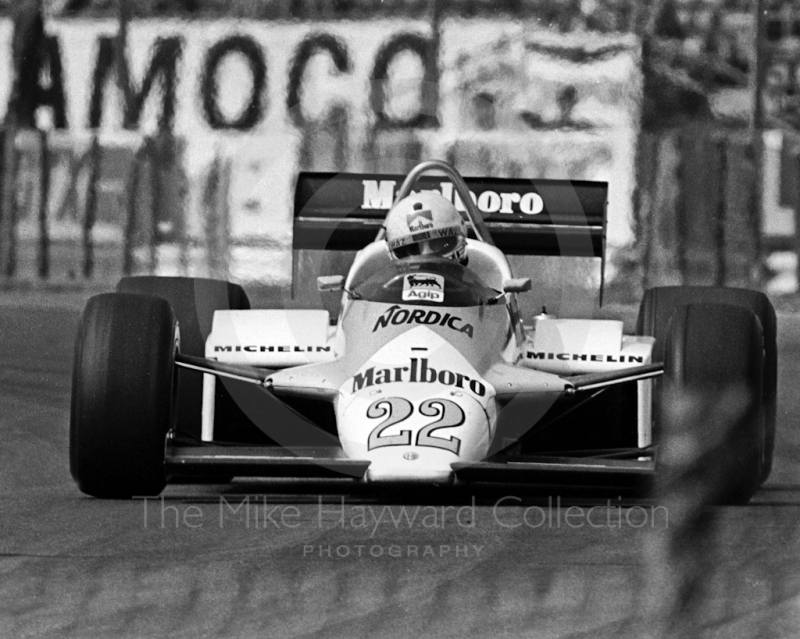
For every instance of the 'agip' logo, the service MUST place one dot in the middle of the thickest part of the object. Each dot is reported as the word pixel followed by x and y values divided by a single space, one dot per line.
pixel 425 287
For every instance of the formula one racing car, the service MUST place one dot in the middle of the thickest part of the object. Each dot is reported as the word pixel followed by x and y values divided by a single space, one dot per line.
pixel 427 372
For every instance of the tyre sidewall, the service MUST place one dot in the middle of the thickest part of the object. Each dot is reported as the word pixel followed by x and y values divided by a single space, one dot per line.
pixel 655 317
pixel 711 401
pixel 194 302
pixel 123 395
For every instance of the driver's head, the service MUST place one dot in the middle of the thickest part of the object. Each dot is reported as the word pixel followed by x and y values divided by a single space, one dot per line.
pixel 426 224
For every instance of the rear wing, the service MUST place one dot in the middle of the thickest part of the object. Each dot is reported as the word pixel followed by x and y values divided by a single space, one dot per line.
pixel 345 211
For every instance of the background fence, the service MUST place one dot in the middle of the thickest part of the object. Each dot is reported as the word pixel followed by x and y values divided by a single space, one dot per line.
pixel 697 213
pixel 91 207
pixel 96 207
pixel 107 207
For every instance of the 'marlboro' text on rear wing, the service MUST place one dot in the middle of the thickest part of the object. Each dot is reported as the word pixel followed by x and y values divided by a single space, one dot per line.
pixel 345 211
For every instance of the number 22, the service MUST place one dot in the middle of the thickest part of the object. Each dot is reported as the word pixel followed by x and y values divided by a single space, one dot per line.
pixel 398 409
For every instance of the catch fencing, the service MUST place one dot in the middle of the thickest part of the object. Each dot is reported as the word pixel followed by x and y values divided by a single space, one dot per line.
pixel 90 208
pixel 95 207
pixel 697 215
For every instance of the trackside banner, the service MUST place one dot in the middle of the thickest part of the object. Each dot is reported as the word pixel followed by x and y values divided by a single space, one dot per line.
pixel 526 217
pixel 267 99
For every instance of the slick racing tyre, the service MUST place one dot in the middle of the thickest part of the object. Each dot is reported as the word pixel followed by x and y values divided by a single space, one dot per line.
pixel 193 301
pixel 123 395
pixel 655 315
pixel 710 417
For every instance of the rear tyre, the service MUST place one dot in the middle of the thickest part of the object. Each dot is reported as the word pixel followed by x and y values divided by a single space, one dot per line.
pixel 655 315
pixel 710 417
pixel 123 395
pixel 194 301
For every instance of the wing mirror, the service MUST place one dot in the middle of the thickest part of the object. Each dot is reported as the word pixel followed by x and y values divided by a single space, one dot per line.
pixel 517 285
pixel 330 283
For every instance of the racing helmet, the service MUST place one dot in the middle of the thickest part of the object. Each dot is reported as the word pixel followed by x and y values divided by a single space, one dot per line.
pixel 426 224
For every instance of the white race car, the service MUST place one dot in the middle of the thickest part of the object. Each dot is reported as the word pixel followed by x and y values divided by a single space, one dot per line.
pixel 428 373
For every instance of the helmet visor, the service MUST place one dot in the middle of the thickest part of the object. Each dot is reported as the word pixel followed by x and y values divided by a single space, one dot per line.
pixel 440 246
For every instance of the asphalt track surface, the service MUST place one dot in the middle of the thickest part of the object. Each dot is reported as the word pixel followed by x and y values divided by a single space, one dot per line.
pixel 189 566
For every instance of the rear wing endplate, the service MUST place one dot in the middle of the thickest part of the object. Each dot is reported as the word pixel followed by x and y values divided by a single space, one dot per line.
pixel 345 211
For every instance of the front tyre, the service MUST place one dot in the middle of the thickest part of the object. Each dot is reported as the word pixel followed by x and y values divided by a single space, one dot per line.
pixel 123 395
pixel 194 302
pixel 710 418
pixel 655 316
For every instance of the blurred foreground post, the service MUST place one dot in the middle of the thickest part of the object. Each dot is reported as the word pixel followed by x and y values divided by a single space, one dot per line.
pixel 683 557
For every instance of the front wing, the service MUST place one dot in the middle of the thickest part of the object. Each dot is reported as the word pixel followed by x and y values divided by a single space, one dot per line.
pixel 210 461
pixel 622 471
